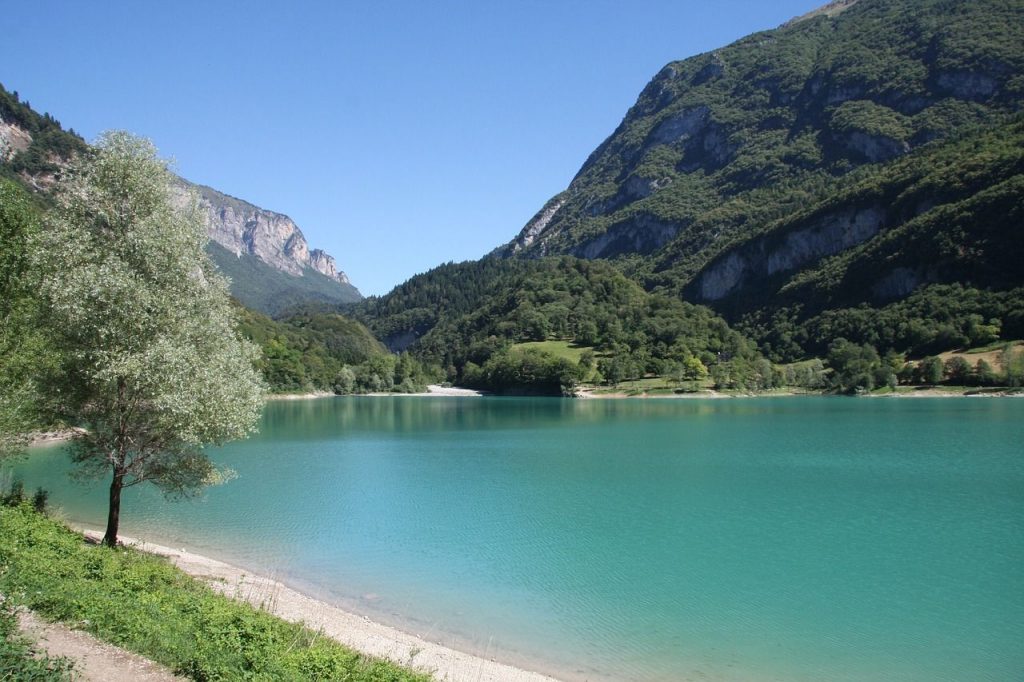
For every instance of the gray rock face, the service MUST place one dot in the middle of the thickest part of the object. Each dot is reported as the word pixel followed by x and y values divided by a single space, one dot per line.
pixel 967 84
pixel 641 234
pixel 682 126
pixel 897 284
pixel 274 238
pixel 829 235
pixel 723 277
pixel 12 140
pixel 875 147
pixel 826 236
pixel 536 226
pixel 323 262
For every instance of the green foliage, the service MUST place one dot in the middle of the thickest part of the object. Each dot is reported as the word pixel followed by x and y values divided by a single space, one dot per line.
pixel 931 370
pixel 857 368
pixel 273 292
pixel 1011 359
pixel 933 319
pixel 864 116
pixel 142 603
pixel 957 370
pixel 15 496
pixel 153 366
pixel 501 309
pixel 25 352
pixel 313 350
pixel 524 371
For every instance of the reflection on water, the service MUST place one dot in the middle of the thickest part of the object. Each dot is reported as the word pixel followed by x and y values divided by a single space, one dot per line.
pixel 760 539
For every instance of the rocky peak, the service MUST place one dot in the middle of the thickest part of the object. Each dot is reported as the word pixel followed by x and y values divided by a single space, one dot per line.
pixel 830 9
pixel 245 229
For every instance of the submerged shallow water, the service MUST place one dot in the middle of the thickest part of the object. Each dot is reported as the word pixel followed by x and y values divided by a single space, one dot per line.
pixel 747 539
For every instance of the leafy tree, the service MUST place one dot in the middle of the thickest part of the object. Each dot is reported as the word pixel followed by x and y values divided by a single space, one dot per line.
pixel 153 367
pixel 958 370
pixel 931 370
pixel 854 367
pixel 25 353
pixel 984 375
pixel 1012 361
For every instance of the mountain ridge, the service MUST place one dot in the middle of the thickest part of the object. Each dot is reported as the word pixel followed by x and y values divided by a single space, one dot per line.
pixel 719 184
pixel 34 147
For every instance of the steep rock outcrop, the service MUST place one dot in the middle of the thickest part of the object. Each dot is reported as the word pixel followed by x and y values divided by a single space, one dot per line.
pixel 640 234
pixel 274 238
pixel 12 140
pixel 771 254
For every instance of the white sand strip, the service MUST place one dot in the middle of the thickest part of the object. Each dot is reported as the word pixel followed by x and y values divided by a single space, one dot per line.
pixel 355 631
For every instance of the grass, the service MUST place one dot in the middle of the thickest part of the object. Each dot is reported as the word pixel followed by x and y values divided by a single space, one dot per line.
pixel 992 347
pixel 144 604
pixel 560 349
pixel 659 385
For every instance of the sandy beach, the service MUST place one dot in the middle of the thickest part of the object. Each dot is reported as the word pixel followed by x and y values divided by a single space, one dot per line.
pixel 433 390
pixel 353 630
pixel 299 396
pixel 56 436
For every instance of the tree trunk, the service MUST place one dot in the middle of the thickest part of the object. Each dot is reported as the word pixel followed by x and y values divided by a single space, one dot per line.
pixel 114 509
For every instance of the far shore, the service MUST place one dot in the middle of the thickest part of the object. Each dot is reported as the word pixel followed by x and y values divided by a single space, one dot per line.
pixel 54 436
pixel 432 390
pixel 590 393
pixel 353 630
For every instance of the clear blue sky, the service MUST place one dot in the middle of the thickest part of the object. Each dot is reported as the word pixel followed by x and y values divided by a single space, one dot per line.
pixel 398 135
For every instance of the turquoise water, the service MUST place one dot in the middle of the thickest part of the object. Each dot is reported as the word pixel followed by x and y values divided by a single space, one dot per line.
pixel 760 539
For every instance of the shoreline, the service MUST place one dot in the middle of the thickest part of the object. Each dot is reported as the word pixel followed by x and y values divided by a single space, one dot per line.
pixel 55 436
pixel 353 630
pixel 432 390
pixel 711 394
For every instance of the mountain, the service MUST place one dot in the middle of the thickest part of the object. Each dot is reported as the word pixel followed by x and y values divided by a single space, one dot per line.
pixel 860 155
pixel 264 253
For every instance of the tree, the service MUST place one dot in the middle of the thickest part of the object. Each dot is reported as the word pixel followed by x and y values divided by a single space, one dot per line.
pixel 25 353
pixel 931 370
pixel 854 367
pixel 1012 361
pixel 154 368
pixel 984 375
pixel 957 369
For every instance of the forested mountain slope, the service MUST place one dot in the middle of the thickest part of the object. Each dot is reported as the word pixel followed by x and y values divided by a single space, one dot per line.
pixel 851 157
pixel 476 321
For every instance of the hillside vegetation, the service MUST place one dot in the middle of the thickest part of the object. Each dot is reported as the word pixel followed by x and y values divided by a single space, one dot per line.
pixel 472 319
pixel 849 159
pixel 323 351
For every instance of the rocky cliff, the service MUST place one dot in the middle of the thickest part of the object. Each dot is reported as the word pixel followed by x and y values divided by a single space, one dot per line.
pixel 274 238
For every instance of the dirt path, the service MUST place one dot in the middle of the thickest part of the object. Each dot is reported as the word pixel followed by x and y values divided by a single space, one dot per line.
pixel 94 661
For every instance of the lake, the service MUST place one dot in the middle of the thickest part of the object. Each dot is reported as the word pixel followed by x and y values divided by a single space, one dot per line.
pixel 745 539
